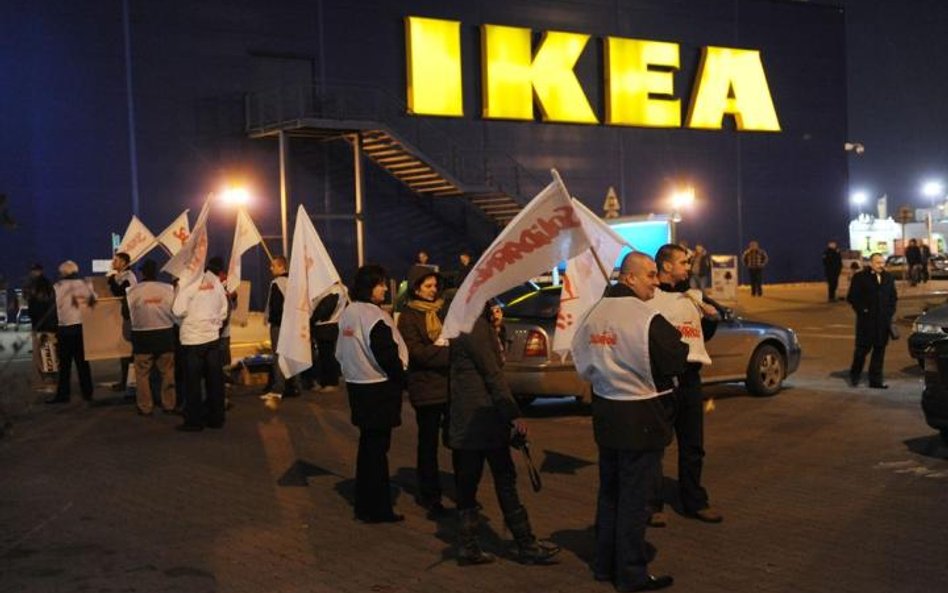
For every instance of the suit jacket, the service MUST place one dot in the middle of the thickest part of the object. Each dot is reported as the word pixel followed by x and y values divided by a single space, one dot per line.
pixel 874 303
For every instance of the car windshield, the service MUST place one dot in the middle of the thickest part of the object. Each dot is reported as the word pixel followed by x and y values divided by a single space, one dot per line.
pixel 530 300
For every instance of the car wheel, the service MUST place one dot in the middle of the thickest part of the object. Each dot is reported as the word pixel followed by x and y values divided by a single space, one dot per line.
pixel 525 400
pixel 766 371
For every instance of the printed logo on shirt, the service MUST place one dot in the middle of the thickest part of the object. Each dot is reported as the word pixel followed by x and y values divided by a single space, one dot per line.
pixel 348 332
pixel 688 330
pixel 606 338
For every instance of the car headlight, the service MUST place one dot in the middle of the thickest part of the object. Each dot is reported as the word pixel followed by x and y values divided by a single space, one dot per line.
pixel 927 328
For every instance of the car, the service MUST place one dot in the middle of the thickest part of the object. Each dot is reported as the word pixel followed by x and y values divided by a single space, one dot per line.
pixel 937 266
pixel 935 395
pixel 930 326
pixel 761 355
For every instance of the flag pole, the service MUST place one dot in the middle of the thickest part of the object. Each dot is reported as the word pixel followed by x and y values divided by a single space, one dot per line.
pixel 263 243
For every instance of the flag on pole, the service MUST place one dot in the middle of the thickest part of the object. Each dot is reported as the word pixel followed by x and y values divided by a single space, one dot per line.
pixel 187 265
pixel 176 235
pixel 584 282
pixel 137 240
pixel 546 232
pixel 246 236
pixel 312 275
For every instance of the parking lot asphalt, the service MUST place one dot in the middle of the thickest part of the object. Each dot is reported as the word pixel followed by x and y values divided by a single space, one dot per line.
pixel 823 487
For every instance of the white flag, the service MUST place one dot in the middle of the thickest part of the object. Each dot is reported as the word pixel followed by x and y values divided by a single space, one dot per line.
pixel 176 235
pixel 246 236
pixel 312 274
pixel 137 240
pixel 546 232
pixel 188 263
pixel 583 282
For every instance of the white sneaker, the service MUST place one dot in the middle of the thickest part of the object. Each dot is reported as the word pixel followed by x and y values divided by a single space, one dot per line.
pixel 328 388
pixel 271 395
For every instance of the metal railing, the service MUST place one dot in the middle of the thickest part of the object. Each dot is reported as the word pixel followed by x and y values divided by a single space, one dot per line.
pixel 477 171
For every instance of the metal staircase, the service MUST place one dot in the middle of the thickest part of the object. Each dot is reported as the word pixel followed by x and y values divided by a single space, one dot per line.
pixel 422 158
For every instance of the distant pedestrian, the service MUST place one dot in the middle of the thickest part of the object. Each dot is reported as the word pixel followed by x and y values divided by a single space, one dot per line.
pixel 483 420
pixel 700 268
pixel 202 307
pixel 373 358
pixel 832 267
pixel 926 253
pixel 873 298
pixel 755 259
pixel 281 386
pixel 149 307
pixel 41 305
pixel 913 261
pixel 465 263
pixel 428 366
pixel 72 294
pixel 121 277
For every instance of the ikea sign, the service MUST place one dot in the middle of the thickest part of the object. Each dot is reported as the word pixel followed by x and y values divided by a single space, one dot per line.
pixel 639 79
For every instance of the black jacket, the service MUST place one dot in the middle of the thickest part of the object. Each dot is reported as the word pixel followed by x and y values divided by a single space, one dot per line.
pixel 41 304
pixel 832 262
pixel 874 303
pixel 275 304
pixel 481 406
pixel 427 364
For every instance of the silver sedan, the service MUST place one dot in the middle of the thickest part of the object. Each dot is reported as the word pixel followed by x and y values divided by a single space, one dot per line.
pixel 759 354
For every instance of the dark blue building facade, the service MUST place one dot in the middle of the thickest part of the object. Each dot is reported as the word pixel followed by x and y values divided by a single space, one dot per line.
pixel 111 108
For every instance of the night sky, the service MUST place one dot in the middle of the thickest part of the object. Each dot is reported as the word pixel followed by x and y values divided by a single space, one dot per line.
pixel 898 96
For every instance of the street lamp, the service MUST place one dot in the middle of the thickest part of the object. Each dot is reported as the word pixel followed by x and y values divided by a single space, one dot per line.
pixel 932 188
pixel 236 196
pixel 858 198
pixel 682 198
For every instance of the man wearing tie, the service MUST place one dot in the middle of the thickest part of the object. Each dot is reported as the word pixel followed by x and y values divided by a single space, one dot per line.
pixel 873 298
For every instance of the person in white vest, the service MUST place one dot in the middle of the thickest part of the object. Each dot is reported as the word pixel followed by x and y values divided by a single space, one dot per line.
pixel 149 307
pixel 280 386
pixel 72 294
pixel 374 358
pixel 631 355
pixel 120 278
pixel 685 308
pixel 202 307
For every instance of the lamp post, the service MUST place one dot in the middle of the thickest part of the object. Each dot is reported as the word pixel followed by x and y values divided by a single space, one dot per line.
pixel 680 199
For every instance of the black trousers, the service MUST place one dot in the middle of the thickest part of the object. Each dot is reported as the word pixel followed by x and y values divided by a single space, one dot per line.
pixel 689 433
pixel 429 419
pixel 757 281
pixel 832 283
pixel 328 366
pixel 203 364
pixel 468 467
pixel 373 500
pixel 69 349
pixel 625 479
pixel 875 362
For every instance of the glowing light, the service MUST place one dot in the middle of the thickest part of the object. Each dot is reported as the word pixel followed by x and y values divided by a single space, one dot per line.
pixel 434 67
pixel 859 197
pixel 235 196
pixel 732 82
pixel 683 198
pixel 933 189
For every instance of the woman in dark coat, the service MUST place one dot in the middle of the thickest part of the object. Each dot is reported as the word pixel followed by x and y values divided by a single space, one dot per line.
pixel 482 418
pixel 373 358
pixel 420 326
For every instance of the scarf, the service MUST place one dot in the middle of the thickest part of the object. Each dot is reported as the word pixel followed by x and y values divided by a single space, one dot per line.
pixel 430 309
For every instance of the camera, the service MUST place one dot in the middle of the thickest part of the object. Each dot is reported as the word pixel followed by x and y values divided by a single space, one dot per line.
pixel 518 440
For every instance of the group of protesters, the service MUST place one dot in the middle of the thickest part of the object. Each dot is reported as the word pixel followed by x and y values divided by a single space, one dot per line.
pixel 641 347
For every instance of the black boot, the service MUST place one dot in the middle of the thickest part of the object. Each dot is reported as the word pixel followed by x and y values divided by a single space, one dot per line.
pixel 529 549
pixel 469 551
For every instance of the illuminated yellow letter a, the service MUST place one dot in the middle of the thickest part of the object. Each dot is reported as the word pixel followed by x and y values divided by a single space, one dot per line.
pixel 510 76
pixel 433 50
pixel 732 81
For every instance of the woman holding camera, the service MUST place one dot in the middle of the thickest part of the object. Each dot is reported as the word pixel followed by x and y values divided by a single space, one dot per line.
pixel 483 417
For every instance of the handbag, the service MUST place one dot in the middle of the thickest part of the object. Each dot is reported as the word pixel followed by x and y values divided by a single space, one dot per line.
pixel 894 331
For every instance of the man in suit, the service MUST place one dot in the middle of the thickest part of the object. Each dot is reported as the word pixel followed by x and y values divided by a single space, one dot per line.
pixel 873 298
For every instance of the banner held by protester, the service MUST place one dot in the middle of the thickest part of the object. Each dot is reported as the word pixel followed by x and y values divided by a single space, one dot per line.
pixel 546 232
pixel 137 240
pixel 176 234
